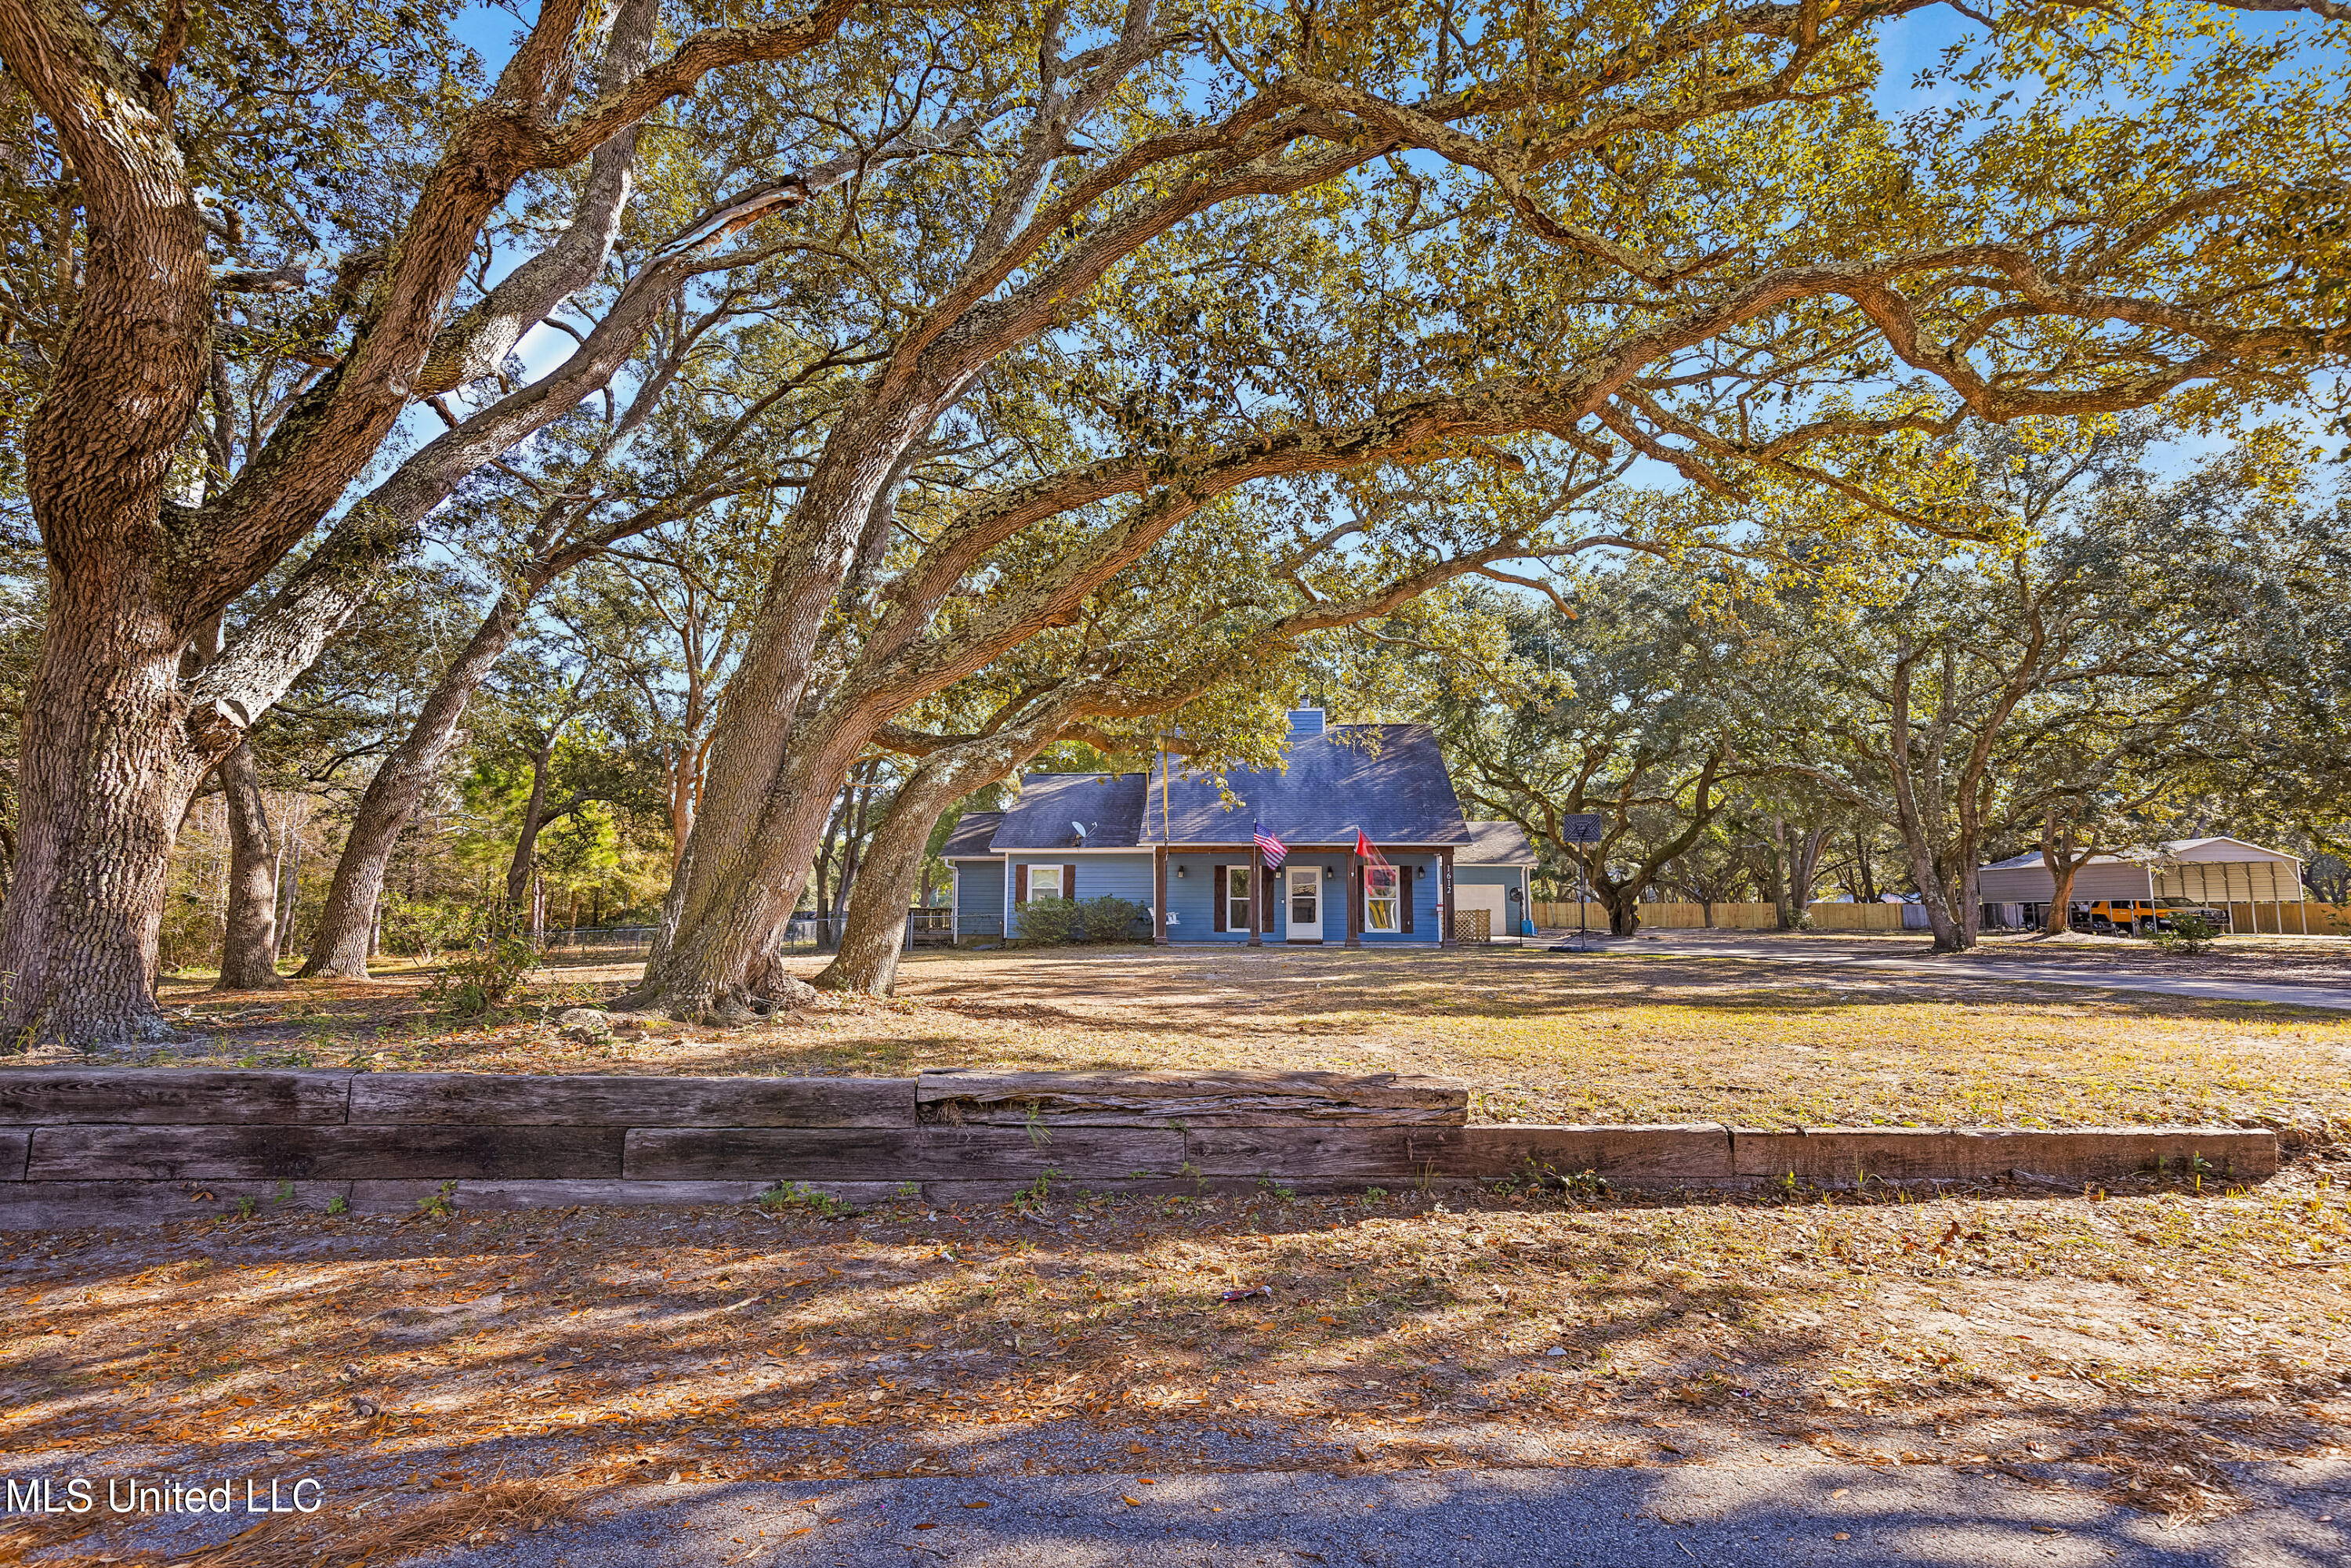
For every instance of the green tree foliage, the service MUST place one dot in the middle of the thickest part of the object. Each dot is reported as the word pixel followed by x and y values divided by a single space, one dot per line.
pixel 965 313
pixel 2046 681
pixel 1619 697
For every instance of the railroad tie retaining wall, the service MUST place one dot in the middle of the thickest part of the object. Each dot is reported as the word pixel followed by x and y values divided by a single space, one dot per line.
pixel 137 1145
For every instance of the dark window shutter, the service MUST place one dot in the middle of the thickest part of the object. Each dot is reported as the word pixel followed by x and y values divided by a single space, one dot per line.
pixel 1217 881
pixel 1020 884
pixel 1403 896
pixel 1069 882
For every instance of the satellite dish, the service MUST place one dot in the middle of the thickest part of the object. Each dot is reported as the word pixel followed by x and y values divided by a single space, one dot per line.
pixel 1080 827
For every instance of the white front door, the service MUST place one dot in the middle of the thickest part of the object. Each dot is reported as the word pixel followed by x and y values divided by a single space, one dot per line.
pixel 1305 902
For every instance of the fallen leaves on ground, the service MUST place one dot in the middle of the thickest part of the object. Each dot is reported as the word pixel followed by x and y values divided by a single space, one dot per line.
pixel 1632 1331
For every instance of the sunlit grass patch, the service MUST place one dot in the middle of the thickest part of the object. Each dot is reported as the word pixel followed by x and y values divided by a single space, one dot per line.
pixel 1539 1039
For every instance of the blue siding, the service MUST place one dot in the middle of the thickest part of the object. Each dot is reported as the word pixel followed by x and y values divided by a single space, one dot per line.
pixel 1099 876
pixel 1421 874
pixel 1502 876
pixel 1191 899
pixel 979 897
pixel 981 888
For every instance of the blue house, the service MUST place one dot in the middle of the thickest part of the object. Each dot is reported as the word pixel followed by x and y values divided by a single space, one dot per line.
pixel 1185 850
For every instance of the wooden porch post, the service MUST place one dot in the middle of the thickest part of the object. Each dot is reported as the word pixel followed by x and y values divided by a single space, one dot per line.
pixel 1444 896
pixel 1354 898
pixel 1159 897
pixel 1257 894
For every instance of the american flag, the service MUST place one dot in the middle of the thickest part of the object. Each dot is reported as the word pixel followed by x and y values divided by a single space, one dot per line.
pixel 1275 851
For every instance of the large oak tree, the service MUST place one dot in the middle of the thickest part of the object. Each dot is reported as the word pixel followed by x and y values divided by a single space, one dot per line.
pixel 150 119
pixel 1686 234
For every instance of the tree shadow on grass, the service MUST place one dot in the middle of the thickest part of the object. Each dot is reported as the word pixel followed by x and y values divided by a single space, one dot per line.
pixel 742 1352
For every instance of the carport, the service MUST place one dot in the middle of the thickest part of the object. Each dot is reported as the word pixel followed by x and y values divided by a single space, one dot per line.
pixel 2225 873
pixel 2024 882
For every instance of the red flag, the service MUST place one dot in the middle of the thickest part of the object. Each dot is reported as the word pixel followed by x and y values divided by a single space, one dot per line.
pixel 1363 847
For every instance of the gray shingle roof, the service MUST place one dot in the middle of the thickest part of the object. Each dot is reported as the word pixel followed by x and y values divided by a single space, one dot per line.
pixel 1496 843
pixel 971 834
pixel 1051 804
pixel 1386 780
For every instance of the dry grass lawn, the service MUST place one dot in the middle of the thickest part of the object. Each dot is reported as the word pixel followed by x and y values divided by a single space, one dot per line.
pixel 1620 1037
pixel 463 1376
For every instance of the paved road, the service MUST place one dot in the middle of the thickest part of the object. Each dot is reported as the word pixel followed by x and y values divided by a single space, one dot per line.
pixel 2210 988
pixel 1750 1514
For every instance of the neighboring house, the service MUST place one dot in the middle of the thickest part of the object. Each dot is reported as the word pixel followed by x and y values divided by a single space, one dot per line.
pixel 1184 849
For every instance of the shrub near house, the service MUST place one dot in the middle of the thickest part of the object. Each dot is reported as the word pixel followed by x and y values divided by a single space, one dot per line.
pixel 1054 922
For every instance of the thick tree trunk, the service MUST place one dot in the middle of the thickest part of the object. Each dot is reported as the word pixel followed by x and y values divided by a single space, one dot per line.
pixel 1945 915
pixel 1621 899
pixel 713 965
pixel 1806 870
pixel 1775 878
pixel 2064 858
pixel 249 948
pixel 340 946
pixel 1796 859
pixel 1623 906
pixel 105 771
pixel 871 939
pixel 1946 905
pixel 770 785
pixel 2058 916
pixel 105 766
pixel 525 851
pixel 1921 821
pixel 875 926
pixel 110 746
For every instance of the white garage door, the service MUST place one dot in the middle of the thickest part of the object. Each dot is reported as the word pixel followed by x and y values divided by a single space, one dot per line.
pixel 1469 896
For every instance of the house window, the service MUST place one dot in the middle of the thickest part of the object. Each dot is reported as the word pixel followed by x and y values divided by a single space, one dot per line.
pixel 1237 898
pixel 1044 881
pixel 1382 899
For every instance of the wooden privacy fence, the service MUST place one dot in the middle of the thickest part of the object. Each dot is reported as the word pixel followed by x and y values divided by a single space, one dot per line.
pixel 2293 919
pixel 1727 916
pixel 127 1146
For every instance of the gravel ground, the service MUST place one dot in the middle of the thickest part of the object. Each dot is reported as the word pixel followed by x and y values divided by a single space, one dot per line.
pixel 1760 1507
